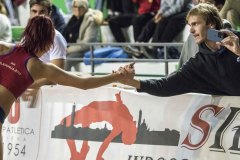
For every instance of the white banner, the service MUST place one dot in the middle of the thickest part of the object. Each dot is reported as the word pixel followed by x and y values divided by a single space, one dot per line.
pixel 116 124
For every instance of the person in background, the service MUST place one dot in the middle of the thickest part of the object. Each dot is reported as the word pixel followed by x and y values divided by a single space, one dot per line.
pixel 56 55
pixel 231 12
pixel 217 3
pixel 20 67
pixel 165 26
pixel 57 18
pixel 83 27
pixel 147 9
pixel 123 20
pixel 190 47
pixel 113 8
pixel 215 68
pixel 5 25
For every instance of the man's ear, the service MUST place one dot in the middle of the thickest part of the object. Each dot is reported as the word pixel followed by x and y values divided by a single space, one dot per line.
pixel 212 25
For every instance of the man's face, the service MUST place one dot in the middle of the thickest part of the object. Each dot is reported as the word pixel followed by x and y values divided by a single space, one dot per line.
pixel 38 10
pixel 198 28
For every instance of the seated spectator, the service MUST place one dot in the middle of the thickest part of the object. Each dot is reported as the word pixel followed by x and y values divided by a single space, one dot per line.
pixel 5 25
pixel 81 28
pixel 190 47
pixel 167 23
pixel 217 3
pixel 231 12
pixel 147 9
pixel 115 8
pixel 123 20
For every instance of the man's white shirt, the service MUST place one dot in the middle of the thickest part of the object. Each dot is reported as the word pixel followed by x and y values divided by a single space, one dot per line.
pixel 57 51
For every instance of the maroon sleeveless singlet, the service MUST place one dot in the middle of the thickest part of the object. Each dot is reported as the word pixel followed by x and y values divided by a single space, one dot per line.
pixel 13 71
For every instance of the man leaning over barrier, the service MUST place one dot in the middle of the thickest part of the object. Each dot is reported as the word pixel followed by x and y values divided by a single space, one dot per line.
pixel 215 68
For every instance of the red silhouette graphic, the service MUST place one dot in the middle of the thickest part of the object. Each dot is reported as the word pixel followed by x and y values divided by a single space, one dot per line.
pixel 113 112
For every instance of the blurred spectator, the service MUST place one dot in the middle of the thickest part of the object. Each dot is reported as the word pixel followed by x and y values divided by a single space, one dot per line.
pixel 124 20
pixel 166 25
pixel 147 9
pixel 190 47
pixel 5 25
pixel 217 3
pixel 57 19
pixel 119 7
pixel 12 10
pixel 83 27
pixel 231 12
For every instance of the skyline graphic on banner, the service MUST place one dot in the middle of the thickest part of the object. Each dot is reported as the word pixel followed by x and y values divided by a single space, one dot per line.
pixel 144 134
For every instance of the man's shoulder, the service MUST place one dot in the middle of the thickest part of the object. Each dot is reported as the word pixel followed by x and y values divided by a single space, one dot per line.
pixel 59 39
pixel 58 34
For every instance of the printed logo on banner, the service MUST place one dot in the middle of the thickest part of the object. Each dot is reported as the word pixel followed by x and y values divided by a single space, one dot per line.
pixel 14 118
pixel 15 133
pixel 205 128
pixel 124 128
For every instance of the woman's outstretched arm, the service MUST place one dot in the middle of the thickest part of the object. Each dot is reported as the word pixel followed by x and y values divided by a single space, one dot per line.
pixel 59 76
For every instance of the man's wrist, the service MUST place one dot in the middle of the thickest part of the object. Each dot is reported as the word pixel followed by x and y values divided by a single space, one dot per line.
pixel 238 51
pixel 238 54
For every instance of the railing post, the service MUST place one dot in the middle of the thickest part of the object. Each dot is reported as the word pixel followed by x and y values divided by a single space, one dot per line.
pixel 165 58
pixel 92 60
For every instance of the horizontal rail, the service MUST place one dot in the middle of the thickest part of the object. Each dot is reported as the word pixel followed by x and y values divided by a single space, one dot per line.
pixel 126 44
pixel 93 45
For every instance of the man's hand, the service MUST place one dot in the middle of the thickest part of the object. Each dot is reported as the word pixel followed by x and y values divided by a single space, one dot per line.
pixel 231 42
pixel 157 18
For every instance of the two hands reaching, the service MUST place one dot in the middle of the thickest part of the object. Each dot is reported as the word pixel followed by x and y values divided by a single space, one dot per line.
pixel 127 73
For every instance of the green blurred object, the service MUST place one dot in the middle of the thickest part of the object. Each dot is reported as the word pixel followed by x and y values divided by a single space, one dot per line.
pixel 92 4
pixel 61 5
pixel 105 10
pixel 238 28
pixel 17 33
